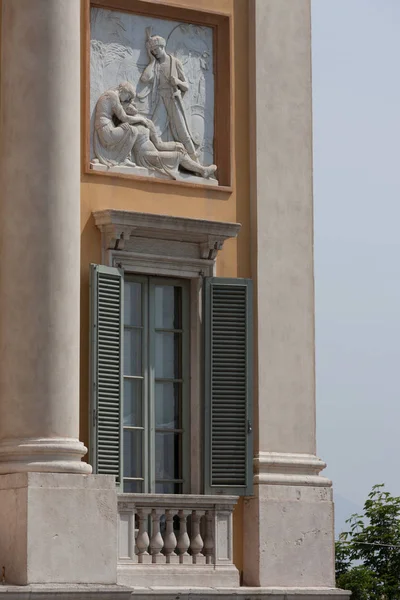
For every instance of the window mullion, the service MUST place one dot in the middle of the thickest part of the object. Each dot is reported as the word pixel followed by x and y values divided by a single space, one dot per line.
pixel 151 380
pixel 185 395
pixel 147 458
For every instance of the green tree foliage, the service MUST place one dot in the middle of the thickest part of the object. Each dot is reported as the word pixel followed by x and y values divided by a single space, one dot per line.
pixel 368 555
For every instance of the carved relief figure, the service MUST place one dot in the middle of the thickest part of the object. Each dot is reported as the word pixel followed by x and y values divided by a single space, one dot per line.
pixel 168 84
pixel 200 94
pixel 173 77
pixel 121 132
pixel 114 135
pixel 188 45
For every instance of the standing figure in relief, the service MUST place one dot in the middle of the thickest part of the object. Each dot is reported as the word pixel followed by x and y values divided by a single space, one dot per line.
pixel 114 135
pixel 165 73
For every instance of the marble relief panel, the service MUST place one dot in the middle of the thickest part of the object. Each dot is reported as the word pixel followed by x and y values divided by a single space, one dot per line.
pixel 166 125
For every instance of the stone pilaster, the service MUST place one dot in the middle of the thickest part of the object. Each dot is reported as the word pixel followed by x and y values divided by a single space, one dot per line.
pixel 289 522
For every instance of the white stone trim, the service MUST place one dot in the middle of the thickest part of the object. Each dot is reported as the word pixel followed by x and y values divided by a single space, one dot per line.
pixel 143 172
pixel 111 592
pixel 281 468
pixel 117 226
pixel 161 265
pixel 46 455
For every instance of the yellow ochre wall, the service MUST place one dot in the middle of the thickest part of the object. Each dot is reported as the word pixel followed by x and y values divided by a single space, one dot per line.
pixel 99 193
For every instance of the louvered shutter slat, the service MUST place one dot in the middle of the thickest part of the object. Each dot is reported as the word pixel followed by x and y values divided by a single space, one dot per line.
pixel 228 385
pixel 106 365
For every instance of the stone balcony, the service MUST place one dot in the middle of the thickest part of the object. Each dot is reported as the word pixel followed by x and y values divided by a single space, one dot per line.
pixel 175 540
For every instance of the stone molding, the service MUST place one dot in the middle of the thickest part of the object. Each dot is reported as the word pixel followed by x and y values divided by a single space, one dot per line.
pixel 117 226
pixel 178 501
pixel 281 468
pixel 111 592
pixel 51 455
pixel 160 265
pixel 180 176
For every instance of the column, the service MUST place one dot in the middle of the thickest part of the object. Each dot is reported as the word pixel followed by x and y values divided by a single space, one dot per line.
pixel 59 524
pixel 288 524
pixel 40 237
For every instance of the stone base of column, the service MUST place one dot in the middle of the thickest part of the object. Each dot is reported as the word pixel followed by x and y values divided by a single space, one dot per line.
pixel 58 528
pixel 43 455
pixel 289 537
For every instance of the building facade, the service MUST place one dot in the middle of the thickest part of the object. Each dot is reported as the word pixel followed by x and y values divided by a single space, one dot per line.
pixel 157 388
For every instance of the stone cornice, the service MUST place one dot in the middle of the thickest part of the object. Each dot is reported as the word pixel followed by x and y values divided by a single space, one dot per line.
pixel 117 226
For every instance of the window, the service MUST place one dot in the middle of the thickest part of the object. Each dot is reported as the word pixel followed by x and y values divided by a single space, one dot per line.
pixel 140 375
pixel 155 385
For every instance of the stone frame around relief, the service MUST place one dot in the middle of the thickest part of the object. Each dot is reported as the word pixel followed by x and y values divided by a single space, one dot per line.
pixel 220 23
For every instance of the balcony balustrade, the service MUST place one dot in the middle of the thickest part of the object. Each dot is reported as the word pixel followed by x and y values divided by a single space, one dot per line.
pixel 179 540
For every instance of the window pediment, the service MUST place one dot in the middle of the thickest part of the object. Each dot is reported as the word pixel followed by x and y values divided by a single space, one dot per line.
pixel 120 229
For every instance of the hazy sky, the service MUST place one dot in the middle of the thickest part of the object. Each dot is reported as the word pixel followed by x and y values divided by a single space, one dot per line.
pixel 356 86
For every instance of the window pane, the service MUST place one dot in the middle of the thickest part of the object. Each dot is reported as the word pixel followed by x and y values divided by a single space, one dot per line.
pixel 168 456
pixel 168 306
pixel 133 402
pixel 168 355
pixel 133 303
pixel 132 453
pixel 168 488
pixel 132 352
pixel 133 487
pixel 167 405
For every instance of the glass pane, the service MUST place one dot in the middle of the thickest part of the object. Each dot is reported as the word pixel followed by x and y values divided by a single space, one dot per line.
pixel 167 405
pixel 168 456
pixel 133 402
pixel 168 355
pixel 133 487
pixel 168 307
pixel 132 453
pixel 133 303
pixel 168 488
pixel 132 352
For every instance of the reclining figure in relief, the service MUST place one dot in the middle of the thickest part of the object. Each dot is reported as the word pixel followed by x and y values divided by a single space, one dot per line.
pixel 123 137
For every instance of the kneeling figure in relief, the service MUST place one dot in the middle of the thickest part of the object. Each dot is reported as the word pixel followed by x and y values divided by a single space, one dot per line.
pixel 123 137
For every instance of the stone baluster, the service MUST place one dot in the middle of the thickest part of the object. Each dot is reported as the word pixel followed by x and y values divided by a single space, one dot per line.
pixel 196 542
pixel 156 542
pixel 208 549
pixel 142 540
pixel 170 541
pixel 183 538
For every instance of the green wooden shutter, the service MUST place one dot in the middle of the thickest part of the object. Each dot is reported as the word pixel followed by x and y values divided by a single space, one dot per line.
pixel 106 324
pixel 228 385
